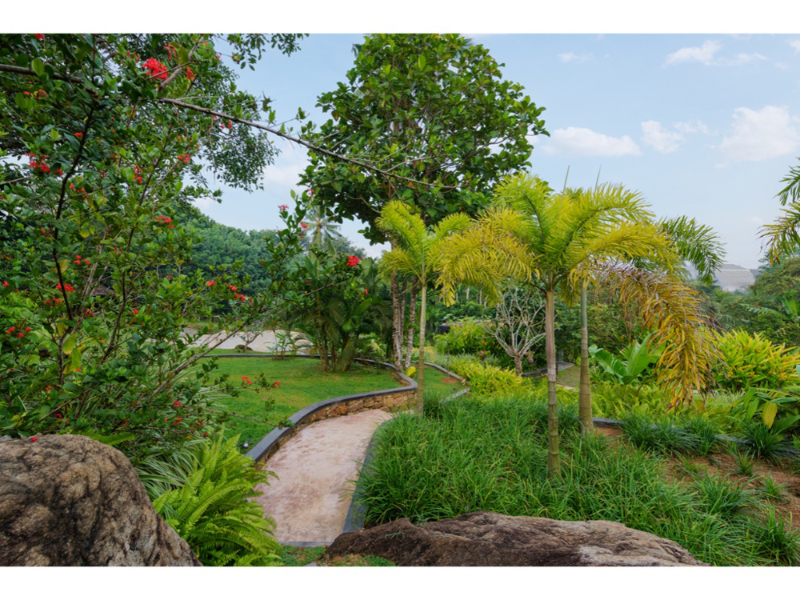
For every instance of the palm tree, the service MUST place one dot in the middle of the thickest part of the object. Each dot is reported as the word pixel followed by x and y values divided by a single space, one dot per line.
pixel 322 230
pixel 577 236
pixel 695 244
pixel 418 252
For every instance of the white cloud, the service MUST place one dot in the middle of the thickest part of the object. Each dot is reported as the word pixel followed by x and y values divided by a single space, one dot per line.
pixel 703 54
pixel 205 203
pixel 742 58
pixel 288 165
pixel 585 142
pixel 576 58
pixel 707 54
pixel 756 220
pixel 659 138
pixel 760 134
pixel 795 44
pixel 691 127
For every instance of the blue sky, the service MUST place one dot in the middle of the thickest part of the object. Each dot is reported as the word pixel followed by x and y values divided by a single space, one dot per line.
pixel 701 125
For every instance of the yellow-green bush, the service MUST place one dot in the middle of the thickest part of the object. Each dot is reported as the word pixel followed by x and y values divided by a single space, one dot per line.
pixel 752 361
pixel 486 379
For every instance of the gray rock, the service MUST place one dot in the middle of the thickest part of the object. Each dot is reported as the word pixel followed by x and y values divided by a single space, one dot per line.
pixel 68 500
pixel 492 539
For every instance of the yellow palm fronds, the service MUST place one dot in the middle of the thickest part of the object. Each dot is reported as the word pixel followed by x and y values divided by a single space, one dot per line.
pixel 672 310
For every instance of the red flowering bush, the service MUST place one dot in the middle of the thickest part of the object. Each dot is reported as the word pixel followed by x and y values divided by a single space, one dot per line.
pixel 353 261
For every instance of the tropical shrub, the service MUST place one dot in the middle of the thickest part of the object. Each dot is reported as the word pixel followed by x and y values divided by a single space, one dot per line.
pixel 632 363
pixel 470 337
pixel 778 411
pixel 486 379
pixel 617 401
pixel 212 510
pixel 749 360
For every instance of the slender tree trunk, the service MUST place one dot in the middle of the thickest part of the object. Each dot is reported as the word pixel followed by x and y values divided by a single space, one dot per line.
pixel 397 323
pixel 421 362
pixel 412 313
pixel 553 460
pixel 585 398
pixel 518 364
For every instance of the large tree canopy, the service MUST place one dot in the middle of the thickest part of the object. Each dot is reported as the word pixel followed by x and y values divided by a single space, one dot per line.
pixel 432 108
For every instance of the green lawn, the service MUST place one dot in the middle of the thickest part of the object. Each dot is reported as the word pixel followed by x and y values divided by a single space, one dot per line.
pixel 302 382
pixel 571 376
pixel 437 385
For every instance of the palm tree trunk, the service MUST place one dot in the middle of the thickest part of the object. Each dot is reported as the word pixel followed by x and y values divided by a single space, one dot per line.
pixel 412 313
pixel 585 397
pixel 397 322
pixel 421 362
pixel 553 460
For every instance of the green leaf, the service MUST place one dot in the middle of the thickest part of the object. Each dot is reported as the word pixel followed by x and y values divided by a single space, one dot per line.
pixel 421 62
pixel 38 66
pixel 770 410
pixel 54 135
pixel 69 343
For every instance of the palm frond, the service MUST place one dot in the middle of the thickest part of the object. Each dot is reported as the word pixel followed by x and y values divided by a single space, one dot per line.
pixel 672 310
pixel 697 244
pixel 782 237
pixel 792 189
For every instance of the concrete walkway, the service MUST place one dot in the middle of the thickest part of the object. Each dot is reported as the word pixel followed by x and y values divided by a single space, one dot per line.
pixel 316 470
pixel 264 342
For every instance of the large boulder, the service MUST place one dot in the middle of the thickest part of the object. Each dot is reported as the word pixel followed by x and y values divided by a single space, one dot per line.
pixel 68 500
pixel 492 539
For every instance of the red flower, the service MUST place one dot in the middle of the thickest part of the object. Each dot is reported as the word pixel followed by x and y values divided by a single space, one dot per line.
pixel 303 225
pixel 66 287
pixel 352 261
pixel 27 330
pixel 47 389
pixel 189 75
pixel 79 135
pixel 246 380
pixel 60 172
pixel 232 288
pixel 276 384
pixel 155 69
pixel 210 283
pixel 5 284
pixel 177 404
pixel 229 124
pixel 39 37
pixel 89 313
pixel 283 207
pixel 33 439
pixel 135 312
pixel 185 158
pixel 59 416
pixel 365 291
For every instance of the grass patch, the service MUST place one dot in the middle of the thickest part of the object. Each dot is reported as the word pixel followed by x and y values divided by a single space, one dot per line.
pixel 295 556
pixel 474 454
pixel 302 382
pixel 571 377
pixel 439 384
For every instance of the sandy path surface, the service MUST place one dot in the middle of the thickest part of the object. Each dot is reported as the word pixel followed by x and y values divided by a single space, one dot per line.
pixel 317 468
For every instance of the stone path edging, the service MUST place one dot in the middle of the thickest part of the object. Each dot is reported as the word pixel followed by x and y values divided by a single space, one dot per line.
pixel 270 444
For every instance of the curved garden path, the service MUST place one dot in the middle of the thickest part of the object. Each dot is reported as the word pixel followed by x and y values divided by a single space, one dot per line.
pixel 316 470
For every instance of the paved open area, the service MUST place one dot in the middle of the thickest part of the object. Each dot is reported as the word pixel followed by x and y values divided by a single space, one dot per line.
pixel 317 470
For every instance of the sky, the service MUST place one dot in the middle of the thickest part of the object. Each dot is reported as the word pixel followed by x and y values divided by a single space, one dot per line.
pixel 701 125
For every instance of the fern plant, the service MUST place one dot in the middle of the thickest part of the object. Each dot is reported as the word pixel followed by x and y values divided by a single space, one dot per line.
pixel 213 513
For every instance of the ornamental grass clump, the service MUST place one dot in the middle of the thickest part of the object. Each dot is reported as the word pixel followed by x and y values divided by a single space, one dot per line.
pixel 474 454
